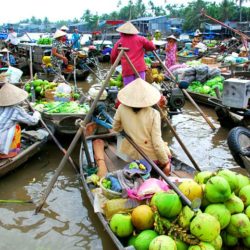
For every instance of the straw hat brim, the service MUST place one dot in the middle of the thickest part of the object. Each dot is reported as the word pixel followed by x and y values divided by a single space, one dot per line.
pixel 64 28
pixel 4 50
pixel 11 95
pixel 59 33
pixel 128 28
pixel 139 94
pixel 172 37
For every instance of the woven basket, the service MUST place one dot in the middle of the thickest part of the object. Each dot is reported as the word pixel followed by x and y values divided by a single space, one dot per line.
pixel 109 193
pixel 49 94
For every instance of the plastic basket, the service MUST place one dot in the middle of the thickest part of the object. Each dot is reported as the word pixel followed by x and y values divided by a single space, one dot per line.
pixel 49 95
pixel 109 193
pixel 61 99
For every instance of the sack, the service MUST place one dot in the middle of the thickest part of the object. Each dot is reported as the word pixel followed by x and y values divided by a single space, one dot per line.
pixel 14 75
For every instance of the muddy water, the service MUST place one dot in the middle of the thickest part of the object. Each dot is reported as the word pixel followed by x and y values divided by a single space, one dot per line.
pixel 67 221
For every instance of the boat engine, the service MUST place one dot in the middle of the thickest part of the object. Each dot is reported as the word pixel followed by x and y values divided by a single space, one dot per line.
pixel 175 97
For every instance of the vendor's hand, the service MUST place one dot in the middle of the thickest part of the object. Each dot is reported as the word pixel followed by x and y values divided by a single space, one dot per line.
pixel 166 168
pixel 65 60
pixel 37 115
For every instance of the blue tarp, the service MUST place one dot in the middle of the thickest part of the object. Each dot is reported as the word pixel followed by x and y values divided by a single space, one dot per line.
pixel 3 36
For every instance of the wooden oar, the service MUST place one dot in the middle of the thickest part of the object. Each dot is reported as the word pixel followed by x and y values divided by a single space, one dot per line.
pixel 194 205
pixel 78 134
pixel 185 92
pixel 56 141
pixel 15 201
pixel 166 119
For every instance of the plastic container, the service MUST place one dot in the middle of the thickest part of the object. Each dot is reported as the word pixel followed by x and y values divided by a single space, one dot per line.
pixel 114 206
pixel 61 99
pixel 110 194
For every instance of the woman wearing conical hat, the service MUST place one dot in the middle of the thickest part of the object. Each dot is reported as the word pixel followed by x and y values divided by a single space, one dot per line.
pixel 171 50
pixel 197 38
pixel 58 57
pixel 137 46
pixel 10 116
pixel 141 122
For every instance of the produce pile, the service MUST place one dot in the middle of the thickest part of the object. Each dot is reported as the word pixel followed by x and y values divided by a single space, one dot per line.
pixel 210 43
pixel 40 86
pixel 208 88
pixel 118 81
pixel 62 107
pixel 186 53
pixel 44 41
pixel 164 222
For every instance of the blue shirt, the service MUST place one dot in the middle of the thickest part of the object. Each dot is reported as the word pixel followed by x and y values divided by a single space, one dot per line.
pixel 12 59
pixel 76 41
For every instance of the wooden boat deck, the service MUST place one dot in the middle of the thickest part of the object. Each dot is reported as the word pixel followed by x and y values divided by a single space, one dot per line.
pixel 29 147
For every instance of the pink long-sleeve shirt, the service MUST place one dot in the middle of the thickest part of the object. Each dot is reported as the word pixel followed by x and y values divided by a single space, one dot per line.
pixel 137 46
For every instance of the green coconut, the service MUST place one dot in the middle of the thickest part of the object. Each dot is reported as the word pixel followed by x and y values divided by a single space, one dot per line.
pixel 121 225
pixel 205 227
pixel 228 239
pixel 162 242
pixel 181 245
pixel 144 239
pixel 234 204
pixel 242 182
pixel 246 242
pixel 185 217
pixel 217 190
pixel 131 240
pixel 217 243
pixel 168 204
pixel 202 246
pixel 220 212
pixel 203 177
pixel 247 212
pixel 231 178
pixel 239 226
pixel 244 195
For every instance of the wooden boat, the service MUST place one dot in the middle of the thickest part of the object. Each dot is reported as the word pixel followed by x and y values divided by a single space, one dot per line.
pixel 30 145
pixel 62 122
pixel 38 51
pixel 203 99
pixel 114 162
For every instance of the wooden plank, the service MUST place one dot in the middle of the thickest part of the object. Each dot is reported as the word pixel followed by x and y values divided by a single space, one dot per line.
pixel 182 174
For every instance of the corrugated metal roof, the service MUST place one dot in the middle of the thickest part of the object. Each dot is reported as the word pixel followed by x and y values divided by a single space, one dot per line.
pixel 147 18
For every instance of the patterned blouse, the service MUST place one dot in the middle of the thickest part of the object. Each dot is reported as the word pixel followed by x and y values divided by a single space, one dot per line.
pixel 57 62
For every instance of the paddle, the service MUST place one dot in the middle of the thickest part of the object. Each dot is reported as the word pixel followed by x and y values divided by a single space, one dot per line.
pixel 169 124
pixel 55 140
pixel 15 201
pixel 79 133
pixel 185 92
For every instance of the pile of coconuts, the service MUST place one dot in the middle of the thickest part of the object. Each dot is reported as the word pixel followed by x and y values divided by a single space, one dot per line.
pixel 164 222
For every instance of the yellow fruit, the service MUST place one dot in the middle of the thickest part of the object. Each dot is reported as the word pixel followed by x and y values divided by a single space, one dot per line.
pixel 154 71
pixel 155 76
pixel 191 189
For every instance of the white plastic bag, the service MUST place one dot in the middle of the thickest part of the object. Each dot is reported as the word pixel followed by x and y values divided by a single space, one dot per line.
pixel 14 75
pixel 63 88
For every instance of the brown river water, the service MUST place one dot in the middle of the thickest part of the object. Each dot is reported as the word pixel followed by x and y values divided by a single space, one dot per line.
pixel 67 220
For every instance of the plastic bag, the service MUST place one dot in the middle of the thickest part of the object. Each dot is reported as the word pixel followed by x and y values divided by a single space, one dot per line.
pixel 14 75
pixel 63 88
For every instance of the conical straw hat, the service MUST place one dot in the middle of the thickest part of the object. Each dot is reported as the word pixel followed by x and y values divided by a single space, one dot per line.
pixel 172 37
pixel 10 94
pixel 139 94
pixel 128 28
pixel 59 33
pixel 5 50
pixel 64 28
pixel 197 33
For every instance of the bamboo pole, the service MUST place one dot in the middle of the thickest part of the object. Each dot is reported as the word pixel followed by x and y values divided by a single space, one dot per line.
pixel 166 119
pixel 78 135
pixel 185 92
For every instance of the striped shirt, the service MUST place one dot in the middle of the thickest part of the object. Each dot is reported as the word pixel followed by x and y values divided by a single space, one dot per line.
pixel 9 117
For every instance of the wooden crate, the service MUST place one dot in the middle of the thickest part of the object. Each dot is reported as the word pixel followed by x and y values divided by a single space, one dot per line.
pixel 208 60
